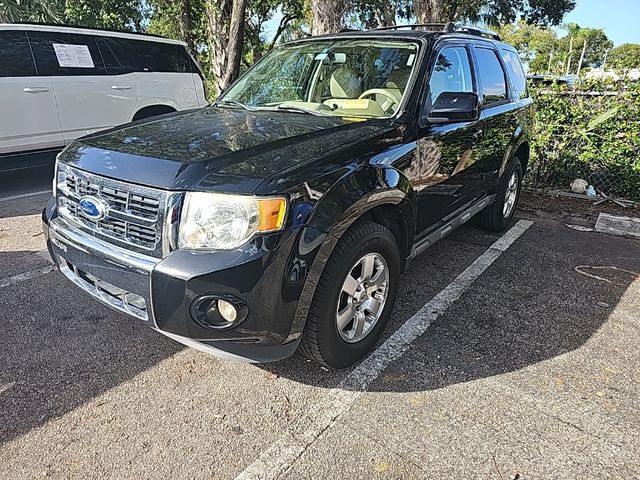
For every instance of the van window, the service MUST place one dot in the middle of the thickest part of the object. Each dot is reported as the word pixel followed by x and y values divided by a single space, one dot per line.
pixel 516 73
pixel 15 55
pixel 451 73
pixel 157 56
pixel 116 59
pixel 62 54
pixel 494 85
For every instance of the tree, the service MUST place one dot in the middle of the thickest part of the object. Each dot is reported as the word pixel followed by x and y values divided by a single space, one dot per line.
pixel 109 14
pixel 38 11
pixel 536 45
pixel 183 19
pixel 625 58
pixel 493 12
pixel 597 44
pixel 327 16
pixel 225 32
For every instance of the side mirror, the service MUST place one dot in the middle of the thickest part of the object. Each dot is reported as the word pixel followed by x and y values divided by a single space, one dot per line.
pixel 452 107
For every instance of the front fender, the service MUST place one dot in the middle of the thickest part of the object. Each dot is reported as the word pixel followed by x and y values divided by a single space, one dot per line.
pixel 348 200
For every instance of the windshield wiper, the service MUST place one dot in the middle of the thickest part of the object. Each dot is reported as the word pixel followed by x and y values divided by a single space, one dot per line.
pixel 292 108
pixel 232 103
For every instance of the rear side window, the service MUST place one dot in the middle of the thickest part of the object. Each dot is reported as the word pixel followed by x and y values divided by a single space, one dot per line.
pixel 516 73
pixel 15 55
pixel 451 73
pixel 494 85
pixel 157 56
pixel 116 58
pixel 63 54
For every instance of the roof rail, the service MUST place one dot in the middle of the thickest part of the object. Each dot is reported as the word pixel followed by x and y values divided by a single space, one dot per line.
pixel 449 27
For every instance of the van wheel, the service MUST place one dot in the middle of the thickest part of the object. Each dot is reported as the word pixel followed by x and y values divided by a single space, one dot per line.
pixel 354 297
pixel 497 216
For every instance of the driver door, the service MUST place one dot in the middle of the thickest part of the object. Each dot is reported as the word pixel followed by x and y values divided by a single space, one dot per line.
pixel 449 154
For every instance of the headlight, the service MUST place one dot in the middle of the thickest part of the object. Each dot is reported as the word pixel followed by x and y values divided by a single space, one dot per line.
pixel 222 222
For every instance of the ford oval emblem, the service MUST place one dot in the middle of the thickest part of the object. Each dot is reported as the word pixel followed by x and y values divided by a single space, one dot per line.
pixel 93 208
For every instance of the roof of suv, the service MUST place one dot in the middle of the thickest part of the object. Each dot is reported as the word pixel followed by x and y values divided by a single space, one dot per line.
pixel 415 31
pixel 42 27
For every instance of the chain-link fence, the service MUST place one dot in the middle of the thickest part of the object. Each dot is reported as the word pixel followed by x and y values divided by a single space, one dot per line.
pixel 592 133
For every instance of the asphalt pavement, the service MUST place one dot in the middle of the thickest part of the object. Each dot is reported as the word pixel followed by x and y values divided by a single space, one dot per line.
pixel 510 356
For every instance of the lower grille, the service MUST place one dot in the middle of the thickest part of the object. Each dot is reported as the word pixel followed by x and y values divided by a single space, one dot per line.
pixel 115 296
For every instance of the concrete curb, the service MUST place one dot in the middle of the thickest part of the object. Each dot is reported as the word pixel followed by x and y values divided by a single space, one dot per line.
pixel 625 226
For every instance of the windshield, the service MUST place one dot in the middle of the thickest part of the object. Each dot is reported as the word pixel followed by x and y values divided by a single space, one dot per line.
pixel 355 78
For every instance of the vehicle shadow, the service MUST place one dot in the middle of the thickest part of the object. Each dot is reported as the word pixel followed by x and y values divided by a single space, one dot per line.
pixel 530 306
pixel 59 349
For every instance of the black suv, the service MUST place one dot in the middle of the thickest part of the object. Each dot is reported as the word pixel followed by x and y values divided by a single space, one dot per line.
pixel 281 217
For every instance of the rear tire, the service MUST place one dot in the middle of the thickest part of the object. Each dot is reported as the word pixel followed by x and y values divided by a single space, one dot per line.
pixel 342 328
pixel 497 216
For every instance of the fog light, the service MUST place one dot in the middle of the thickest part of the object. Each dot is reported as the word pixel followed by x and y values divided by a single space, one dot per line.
pixel 227 311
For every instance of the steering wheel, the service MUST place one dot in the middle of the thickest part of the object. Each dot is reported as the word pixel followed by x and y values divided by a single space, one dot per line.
pixel 391 98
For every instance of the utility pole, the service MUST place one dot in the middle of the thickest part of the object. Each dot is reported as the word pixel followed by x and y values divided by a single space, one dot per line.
pixel 604 62
pixel 584 49
pixel 569 59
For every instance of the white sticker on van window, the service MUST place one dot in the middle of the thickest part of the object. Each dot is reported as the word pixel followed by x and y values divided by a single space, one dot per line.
pixel 73 56
pixel 410 60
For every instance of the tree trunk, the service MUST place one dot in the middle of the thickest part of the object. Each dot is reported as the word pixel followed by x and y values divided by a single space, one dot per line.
pixel 186 25
pixel 428 11
pixel 225 30
pixel 328 16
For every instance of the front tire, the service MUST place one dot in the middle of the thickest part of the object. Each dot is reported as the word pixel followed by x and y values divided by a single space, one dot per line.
pixel 497 216
pixel 354 297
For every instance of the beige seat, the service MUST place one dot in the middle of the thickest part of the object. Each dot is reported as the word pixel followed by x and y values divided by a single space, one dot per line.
pixel 343 85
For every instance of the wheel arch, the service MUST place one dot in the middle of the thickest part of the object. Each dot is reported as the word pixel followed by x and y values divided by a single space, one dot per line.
pixel 152 111
pixel 518 147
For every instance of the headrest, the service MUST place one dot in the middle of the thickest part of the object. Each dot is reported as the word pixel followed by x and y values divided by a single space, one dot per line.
pixel 345 84
pixel 399 79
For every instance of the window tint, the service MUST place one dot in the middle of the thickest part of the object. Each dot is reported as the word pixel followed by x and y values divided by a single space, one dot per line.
pixel 66 54
pixel 516 73
pixel 157 56
pixel 494 87
pixel 451 72
pixel 116 59
pixel 15 55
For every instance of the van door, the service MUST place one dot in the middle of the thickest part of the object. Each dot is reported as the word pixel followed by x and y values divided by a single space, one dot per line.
pixel 28 116
pixel 88 99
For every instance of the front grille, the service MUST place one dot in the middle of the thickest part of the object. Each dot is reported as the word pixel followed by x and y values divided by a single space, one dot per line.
pixel 134 217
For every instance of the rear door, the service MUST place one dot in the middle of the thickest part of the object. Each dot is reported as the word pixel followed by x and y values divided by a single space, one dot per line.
pixel 29 117
pixel 88 99
pixel 448 154
pixel 498 110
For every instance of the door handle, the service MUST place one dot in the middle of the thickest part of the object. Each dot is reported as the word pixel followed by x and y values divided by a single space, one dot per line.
pixel 35 89
pixel 121 87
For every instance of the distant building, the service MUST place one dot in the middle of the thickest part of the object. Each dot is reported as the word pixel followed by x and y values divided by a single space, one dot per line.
pixel 634 74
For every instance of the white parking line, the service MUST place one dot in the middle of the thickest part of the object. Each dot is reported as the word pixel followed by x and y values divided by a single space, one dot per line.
pixel 24 195
pixel 7 282
pixel 283 453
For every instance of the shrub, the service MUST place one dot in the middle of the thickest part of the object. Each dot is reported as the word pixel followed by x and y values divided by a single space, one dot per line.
pixel 591 132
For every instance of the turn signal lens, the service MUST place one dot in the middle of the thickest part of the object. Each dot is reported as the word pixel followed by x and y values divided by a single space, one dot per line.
pixel 271 214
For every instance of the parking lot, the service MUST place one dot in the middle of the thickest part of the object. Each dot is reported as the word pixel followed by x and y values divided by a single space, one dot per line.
pixel 509 356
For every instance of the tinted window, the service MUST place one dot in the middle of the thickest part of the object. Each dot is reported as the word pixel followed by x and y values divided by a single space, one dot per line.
pixel 494 86
pixel 451 72
pixel 116 59
pixel 156 56
pixel 516 73
pixel 15 55
pixel 66 54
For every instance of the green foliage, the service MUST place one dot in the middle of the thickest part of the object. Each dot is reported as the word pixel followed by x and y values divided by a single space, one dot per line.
pixel 39 11
pixel 591 133
pixel 597 44
pixel 109 14
pixel 624 58
pixel 533 43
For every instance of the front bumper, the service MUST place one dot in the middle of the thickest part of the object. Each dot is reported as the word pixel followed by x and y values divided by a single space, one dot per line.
pixel 268 274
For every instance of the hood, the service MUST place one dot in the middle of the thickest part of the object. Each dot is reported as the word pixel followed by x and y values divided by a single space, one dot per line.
pixel 221 149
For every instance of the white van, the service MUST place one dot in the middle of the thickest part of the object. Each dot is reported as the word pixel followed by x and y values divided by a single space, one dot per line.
pixel 60 83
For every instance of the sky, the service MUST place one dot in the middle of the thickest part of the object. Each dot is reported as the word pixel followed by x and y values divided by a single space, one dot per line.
pixel 618 18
